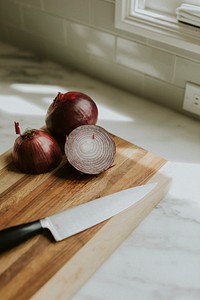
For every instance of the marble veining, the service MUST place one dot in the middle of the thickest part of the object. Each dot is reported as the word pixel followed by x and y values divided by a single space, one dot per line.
pixel 160 260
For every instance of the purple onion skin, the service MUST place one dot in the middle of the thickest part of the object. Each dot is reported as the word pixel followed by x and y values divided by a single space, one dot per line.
pixel 36 152
pixel 68 111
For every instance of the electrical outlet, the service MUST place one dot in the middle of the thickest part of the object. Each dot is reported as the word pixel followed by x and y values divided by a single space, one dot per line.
pixel 196 100
pixel 191 101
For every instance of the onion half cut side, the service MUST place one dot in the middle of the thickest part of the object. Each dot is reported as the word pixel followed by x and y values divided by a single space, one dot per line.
pixel 90 149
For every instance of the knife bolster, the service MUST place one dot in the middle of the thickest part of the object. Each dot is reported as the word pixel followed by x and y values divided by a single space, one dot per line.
pixel 52 227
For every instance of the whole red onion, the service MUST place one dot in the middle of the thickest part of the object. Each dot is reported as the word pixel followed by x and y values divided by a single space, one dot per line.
pixel 90 149
pixel 35 151
pixel 68 111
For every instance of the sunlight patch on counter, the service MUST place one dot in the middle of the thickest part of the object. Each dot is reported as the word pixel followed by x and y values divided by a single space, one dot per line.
pixel 106 113
pixel 16 105
pixel 37 88
pixel 34 99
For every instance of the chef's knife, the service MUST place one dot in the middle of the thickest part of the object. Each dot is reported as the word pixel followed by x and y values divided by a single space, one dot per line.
pixel 75 219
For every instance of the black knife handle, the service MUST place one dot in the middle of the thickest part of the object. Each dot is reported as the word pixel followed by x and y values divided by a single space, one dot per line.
pixel 13 236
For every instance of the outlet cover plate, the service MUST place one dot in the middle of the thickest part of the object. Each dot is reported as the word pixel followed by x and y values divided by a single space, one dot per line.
pixel 191 101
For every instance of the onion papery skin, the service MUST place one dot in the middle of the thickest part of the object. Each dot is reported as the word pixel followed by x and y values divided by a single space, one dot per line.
pixel 68 111
pixel 36 152
pixel 90 149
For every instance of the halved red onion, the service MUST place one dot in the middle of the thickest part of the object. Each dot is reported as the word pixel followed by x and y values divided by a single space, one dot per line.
pixel 90 149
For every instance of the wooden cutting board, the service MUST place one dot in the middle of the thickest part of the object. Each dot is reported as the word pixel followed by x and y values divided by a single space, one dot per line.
pixel 43 269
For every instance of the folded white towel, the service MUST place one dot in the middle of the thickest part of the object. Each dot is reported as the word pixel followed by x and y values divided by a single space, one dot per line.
pixel 189 14
pixel 188 21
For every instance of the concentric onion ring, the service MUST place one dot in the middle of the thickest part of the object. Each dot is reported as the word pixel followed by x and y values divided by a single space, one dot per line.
pixel 90 149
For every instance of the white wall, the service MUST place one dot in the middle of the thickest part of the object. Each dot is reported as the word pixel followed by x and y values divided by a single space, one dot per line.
pixel 81 33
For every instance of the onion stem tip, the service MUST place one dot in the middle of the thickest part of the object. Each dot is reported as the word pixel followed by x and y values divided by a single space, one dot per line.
pixel 17 128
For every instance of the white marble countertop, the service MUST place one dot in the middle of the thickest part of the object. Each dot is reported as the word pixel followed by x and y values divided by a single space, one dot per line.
pixel 161 258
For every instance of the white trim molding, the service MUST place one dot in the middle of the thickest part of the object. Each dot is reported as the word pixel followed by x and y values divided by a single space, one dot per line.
pixel 130 17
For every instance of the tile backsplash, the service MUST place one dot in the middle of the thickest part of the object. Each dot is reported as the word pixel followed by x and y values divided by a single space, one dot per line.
pixel 82 34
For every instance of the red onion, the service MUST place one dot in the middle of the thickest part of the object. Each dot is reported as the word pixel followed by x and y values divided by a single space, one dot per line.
pixel 90 149
pixel 68 111
pixel 35 151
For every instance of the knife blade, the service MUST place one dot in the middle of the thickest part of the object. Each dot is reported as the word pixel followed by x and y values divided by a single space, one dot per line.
pixel 75 219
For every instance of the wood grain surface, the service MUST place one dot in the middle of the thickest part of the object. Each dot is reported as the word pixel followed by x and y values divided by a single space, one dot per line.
pixel 41 266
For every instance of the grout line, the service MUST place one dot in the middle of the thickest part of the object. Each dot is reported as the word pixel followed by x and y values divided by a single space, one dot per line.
pixel 174 70
pixel 65 31
pixel 42 5
pixel 21 16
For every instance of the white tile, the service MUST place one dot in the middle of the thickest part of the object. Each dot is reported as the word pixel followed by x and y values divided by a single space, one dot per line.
pixel 68 56
pixel 20 37
pixel 74 10
pixel 34 3
pixel 174 50
pixel 145 59
pixel 186 70
pixel 91 41
pixel 117 75
pixel 103 14
pixel 163 93
pixel 10 12
pixel 3 35
pixel 43 24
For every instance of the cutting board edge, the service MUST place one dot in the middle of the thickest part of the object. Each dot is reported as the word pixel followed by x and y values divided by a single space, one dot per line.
pixel 74 274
